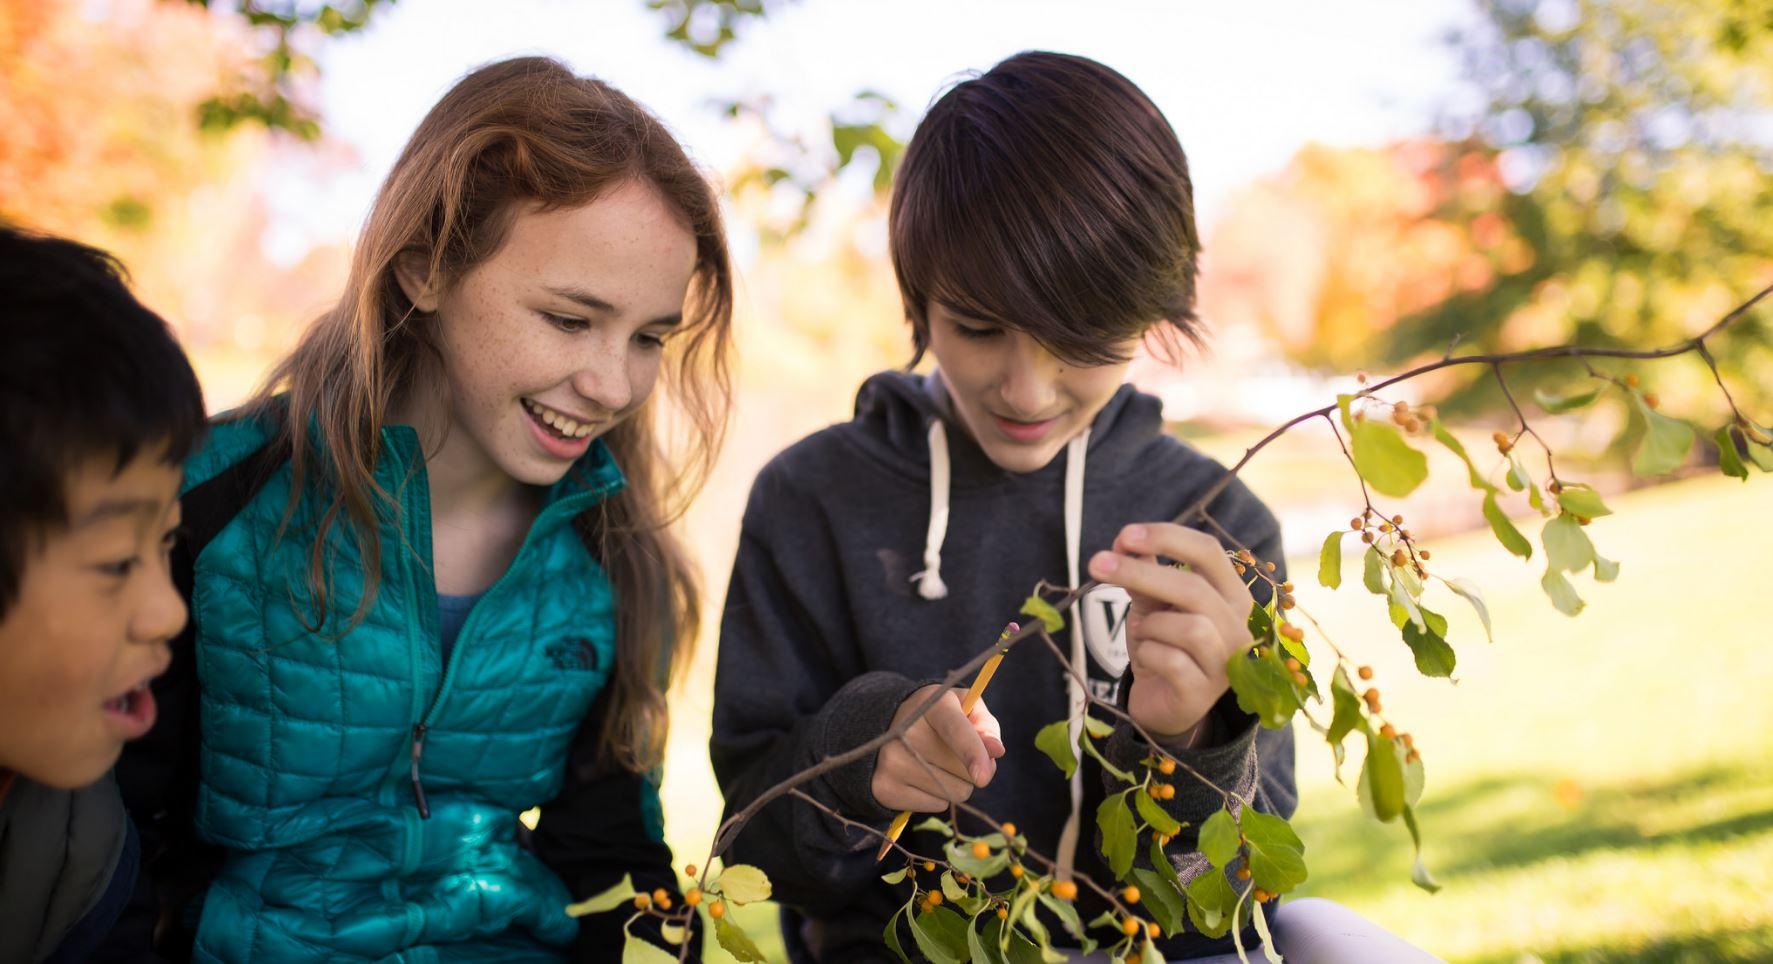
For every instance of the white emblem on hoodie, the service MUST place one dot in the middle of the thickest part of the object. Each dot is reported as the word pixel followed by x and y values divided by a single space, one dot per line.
pixel 1104 611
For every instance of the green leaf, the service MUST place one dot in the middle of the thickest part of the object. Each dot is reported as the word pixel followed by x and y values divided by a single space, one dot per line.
pixel 1042 610
pixel 1562 594
pixel 1382 780
pixel 1210 902
pixel 1148 952
pixel 1517 477
pixel 1154 815
pixel 1729 460
pixel 1089 747
pixel 960 854
pixel 983 947
pixel 1429 644
pixel 1054 740
pixel 1119 839
pixel 1329 561
pixel 934 825
pixel 1161 899
pixel 1567 547
pixel 637 951
pixel 1446 438
pixel 1277 856
pixel 1342 405
pixel 950 888
pixel 1067 914
pixel 1664 444
pixel 1557 406
pixel 1419 873
pixel 1583 501
pixel 734 939
pixel 1506 533
pixel 1404 602
pixel 620 895
pixel 1100 729
pixel 1385 460
pixel 1219 838
pixel 1761 455
pixel 1605 570
pixel 897 875
pixel 1263 688
pixel 1261 921
pixel 941 935
pixel 1415 778
pixel 672 933
pixel 891 934
pixel 742 884
pixel 1348 714
pixel 1471 594
pixel 1372 572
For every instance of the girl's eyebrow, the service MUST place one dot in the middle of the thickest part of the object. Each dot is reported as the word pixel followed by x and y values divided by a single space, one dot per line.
pixel 594 303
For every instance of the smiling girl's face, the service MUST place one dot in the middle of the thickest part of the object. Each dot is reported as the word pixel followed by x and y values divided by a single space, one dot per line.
pixel 558 337
pixel 90 627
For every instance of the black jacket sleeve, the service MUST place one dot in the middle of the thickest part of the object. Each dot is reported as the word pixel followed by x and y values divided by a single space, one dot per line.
pixel 596 831
pixel 791 689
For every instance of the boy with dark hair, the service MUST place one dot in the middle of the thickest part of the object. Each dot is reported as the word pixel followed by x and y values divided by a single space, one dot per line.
pixel 1042 226
pixel 98 409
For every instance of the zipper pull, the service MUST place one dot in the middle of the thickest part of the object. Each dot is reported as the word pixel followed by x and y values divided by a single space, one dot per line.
pixel 418 750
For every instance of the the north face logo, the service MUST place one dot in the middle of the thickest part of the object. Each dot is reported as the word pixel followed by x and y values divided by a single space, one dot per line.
pixel 573 654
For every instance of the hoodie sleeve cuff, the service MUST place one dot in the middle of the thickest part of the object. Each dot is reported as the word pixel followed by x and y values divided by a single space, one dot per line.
pixel 859 712
pixel 1225 756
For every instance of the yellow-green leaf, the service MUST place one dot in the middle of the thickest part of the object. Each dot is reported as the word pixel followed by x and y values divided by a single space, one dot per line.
pixel 1054 740
pixel 1506 533
pixel 618 896
pixel 1583 501
pixel 1385 460
pixel 1329 561
pixel 637 951
pixel 742 884
pixel 1664 444
pixel 1042 610
pixel 1729 460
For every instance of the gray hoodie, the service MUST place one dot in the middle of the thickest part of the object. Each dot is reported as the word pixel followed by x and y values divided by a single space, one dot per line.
pixel 60 851
pixel 868 567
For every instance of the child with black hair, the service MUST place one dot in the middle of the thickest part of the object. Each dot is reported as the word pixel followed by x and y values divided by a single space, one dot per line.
pixel 98 410
pixel 1042 226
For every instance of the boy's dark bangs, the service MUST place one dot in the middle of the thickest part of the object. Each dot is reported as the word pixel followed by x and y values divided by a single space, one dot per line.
pixel 1015 275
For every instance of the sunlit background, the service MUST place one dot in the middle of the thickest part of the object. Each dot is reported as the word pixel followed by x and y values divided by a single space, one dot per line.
pixel 1377 182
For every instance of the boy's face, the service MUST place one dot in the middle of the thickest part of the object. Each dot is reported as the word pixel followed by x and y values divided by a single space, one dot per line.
pixel 95 611
pixel 1019 401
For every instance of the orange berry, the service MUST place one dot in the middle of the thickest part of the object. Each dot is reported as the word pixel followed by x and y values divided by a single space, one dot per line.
pixel 717 910
pixel 1631 380
pixel 929 865
pixel 662 902
pixel 1500 438
pixel 1583 520
pixel 1243 873
pixel 1292 665
pixel 1016 871
pixel 1130 894
pixel 1131 927
pixel 1152 930
pixel 1365 672
pixel 981 849
pixel 1239 567
pixel 689 870
pixel 1287 602
pixel 1003 913
pixel 642 902
pixel 1166 766
pixel 1009 830
pixel 1261 896
pixel 1401 408
pixel 1422 554
pixel 1388 732
pixel 1064 890
pixel 962 879
pixel 1357 523
pixel 1167 792
pixel 1367 537
pixel 1651 400
pixel 693 897
pixel 1300 679
pixel 1269 566
pixel 1554 487
pixel 1286 587
pixel 1399 557
pixel 1244 556
pixel 1413 757
pixel 1409 741
pixel 935 898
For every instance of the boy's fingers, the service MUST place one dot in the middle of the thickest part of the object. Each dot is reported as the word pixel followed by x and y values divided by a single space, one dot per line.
pixel 989 730
pixel 1203 553
pixel 1166 638
pixel 956 730
pixel 1155 587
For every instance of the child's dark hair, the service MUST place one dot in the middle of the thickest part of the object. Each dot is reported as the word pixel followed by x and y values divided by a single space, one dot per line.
pixel 1048 195
pixel 86 371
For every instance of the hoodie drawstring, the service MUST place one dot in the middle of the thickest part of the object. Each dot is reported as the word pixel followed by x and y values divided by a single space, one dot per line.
pixel 929 581
pixel 1075 453
pixel 930 586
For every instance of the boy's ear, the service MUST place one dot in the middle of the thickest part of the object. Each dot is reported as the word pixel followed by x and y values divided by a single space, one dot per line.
pixel 413 273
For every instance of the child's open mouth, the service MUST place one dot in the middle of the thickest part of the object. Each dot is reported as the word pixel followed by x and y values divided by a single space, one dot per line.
pixel 133 712
pixel 558 433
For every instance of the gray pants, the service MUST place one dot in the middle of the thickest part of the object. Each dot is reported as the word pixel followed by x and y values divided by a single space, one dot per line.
pixel 1313 930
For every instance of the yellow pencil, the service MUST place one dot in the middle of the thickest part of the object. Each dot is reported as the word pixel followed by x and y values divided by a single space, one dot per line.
pixel 967 703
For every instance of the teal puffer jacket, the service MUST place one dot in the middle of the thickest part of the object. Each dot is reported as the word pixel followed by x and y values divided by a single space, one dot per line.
pixel 366 791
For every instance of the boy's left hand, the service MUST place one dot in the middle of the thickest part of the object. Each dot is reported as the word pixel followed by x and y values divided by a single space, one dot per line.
pixel 1183 627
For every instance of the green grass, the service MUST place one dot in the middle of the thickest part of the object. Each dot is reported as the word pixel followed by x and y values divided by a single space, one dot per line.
pixel 1599 788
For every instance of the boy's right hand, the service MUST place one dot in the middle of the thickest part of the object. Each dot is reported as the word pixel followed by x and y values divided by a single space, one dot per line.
pixel 961 751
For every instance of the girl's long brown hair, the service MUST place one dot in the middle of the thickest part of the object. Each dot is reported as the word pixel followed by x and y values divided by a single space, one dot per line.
pixel 523 130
